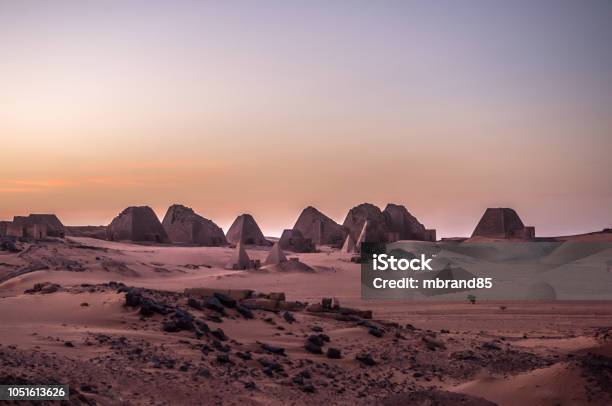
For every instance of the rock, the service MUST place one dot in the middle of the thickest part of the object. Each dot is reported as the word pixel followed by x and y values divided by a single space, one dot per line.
pixel 205 372
pixel 491 346
pixel 149 307
pixel 272 349
pixel 334 353
pixel 213 303
pixel 288 317
pixel 366 359
pixel 244 311
pixel 244 355
pixel 8 245
pixel 223 359
pixel 220 334
pixel 433 343
pixel 196 304
pixel 318 339
pixel 44 288
pixel 133 298
pixel 225 300
pixel 313 348
pixel 271 365
pixel 376 332
pixel 220 347
pixel 278 296
pixel 317 329
pixel 308 388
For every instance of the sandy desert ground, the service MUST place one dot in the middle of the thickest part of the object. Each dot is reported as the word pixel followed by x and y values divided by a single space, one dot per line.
pixel 112 321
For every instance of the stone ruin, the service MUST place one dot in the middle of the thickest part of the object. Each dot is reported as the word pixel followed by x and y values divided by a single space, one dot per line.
pixel 240 260
pixel 503 223
pixel 139 224
pixel 184 226
pixel 245 230
pixel 293 240
pixel 405 225
pixel 276 255
pixel 349 246
pixel 394 224
pixel 34 226
pixel 319 228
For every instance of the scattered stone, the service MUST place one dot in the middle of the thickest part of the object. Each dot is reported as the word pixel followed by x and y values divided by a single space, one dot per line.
pixel 272 349
pixel 245 311
pixel 366 359
pixel 225 300
pixel 313 348
pixel 289 318
pixel 376 332
pixel 433 343
pixel 491 346
pixel 196 304
pixel 334 353
pixel 244 355
pixel 213 303
pixel 220 334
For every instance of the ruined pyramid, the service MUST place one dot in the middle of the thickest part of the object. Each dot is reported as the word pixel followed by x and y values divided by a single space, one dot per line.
pixel 240 259
pixel 349 246
pixel 319 228
pixel 276 255
pixel 184 226
pixel 358 215
pixel 502 223
pixel 137 224
pixel 244 229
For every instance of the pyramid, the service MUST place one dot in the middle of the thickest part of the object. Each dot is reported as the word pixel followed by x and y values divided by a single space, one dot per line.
pixel 240 259
pixel 244 229
pixel 363 236
pixel 377 228
pixel 293 240
pixel 319 228
pixel 184 226
pixel 276 255
pixel 349 245
pixel 54 226
pixel 137 224
pixel 405 225
pixel 503 223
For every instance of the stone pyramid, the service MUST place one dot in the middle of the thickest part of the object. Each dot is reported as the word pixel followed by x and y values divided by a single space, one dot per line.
pixel 184 226
pixel 276 255
pixel 240 259
pixel 377 228
pixel 319 228
pixel 363 236
pixel 502 223
pixel 137 224
pixel 349 245
pixel 244 229
pixel 405 225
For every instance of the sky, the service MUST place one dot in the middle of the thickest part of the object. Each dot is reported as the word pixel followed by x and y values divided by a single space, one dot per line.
pixel 267 107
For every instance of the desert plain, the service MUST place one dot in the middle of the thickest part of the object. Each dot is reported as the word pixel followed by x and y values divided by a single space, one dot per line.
pixel 114 321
